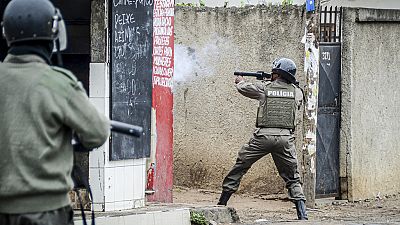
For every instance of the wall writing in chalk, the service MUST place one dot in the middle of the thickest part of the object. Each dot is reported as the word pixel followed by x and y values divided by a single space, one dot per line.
pixel 131 31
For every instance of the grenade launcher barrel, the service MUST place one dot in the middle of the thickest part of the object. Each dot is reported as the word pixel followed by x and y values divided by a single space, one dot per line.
pixel 116 126
pixel 125 128
pixel 260 75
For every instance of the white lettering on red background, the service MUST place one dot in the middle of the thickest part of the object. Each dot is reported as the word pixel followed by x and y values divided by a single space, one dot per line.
pixel 163 46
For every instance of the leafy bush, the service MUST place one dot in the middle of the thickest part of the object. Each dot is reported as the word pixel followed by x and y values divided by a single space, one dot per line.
pixel 287 2
pixel 197 218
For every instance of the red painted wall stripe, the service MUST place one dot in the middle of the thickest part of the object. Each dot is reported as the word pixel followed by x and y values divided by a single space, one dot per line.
pixel 163 70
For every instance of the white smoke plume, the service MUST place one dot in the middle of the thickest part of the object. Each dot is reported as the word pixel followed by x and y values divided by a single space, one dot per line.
pixel 193 62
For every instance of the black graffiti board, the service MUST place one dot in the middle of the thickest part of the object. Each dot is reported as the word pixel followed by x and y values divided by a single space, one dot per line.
pixel 131 41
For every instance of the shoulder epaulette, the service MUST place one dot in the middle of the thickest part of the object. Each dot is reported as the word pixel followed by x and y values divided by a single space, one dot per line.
pixel 65 72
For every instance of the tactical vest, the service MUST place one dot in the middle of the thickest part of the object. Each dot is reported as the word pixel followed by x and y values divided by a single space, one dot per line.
pixel 279 108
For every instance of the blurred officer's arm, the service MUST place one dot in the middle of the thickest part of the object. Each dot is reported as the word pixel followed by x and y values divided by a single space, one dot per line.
pixel 250 90
pixel 91 126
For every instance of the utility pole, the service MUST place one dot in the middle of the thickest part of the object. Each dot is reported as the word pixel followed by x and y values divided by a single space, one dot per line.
pixel 311 66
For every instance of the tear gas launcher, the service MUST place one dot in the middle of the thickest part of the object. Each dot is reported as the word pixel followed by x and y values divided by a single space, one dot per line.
pixel 116 126
pixel 125 128
pixel 259 75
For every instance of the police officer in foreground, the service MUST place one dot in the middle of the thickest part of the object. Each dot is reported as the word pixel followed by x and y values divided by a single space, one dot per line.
pixel 279 99
pixel 40 107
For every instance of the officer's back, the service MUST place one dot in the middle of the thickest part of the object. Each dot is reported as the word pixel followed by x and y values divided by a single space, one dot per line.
pixel 41 106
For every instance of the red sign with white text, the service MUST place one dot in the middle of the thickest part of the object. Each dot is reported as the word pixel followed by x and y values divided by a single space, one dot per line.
pixel 163 71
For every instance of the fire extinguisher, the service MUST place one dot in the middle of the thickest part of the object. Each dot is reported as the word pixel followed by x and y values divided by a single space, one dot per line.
pixel 150 177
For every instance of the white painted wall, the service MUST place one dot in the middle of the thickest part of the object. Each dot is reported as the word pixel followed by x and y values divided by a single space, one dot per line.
pixel 116 185
pixel 177 216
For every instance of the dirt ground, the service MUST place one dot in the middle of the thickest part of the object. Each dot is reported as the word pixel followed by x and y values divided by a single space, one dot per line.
pixel 277 208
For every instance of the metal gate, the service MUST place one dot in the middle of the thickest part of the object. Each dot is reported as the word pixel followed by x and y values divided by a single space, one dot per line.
pixel 328 122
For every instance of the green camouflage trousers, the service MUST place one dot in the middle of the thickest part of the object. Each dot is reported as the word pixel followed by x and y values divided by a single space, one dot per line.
pixel 62 216
pixel 283 152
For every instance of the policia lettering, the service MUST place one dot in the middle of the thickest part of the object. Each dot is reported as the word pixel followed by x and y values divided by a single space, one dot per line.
pixel 279 108
pixel 280 93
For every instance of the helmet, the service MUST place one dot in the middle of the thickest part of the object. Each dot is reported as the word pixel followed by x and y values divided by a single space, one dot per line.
pixel 286 68
pixel 31 20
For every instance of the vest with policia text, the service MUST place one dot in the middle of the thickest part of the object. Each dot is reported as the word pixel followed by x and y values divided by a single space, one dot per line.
pixel 279 108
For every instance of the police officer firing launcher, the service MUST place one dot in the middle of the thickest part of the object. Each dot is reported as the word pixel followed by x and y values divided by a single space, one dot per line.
pixel 276 118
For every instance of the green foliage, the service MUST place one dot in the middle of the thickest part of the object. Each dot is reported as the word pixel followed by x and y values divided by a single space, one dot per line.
pixel 241 3
pixel 197 218
pixel 186 4
pixel 287 2
pixel 202 3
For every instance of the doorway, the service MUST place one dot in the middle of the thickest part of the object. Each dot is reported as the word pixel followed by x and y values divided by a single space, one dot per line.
pixel 329 105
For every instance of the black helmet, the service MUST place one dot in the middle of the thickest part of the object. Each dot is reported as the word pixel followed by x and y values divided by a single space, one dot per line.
pixel 31 20
pixel 286 68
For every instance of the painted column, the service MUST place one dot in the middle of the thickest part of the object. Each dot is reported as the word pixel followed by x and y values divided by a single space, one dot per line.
pixel 159 173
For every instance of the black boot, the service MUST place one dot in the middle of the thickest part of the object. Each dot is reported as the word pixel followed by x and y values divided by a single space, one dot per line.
pixel 225 195
pixel 301 210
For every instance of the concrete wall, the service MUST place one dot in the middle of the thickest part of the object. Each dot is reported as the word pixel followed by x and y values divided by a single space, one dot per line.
pixel 211 119
pixel 221 3
pixel 370 102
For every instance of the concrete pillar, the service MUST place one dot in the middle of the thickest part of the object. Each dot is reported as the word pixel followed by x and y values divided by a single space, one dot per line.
pixel 116 185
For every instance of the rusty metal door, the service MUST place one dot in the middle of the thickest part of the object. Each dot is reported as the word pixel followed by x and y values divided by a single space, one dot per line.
pixel 328 122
